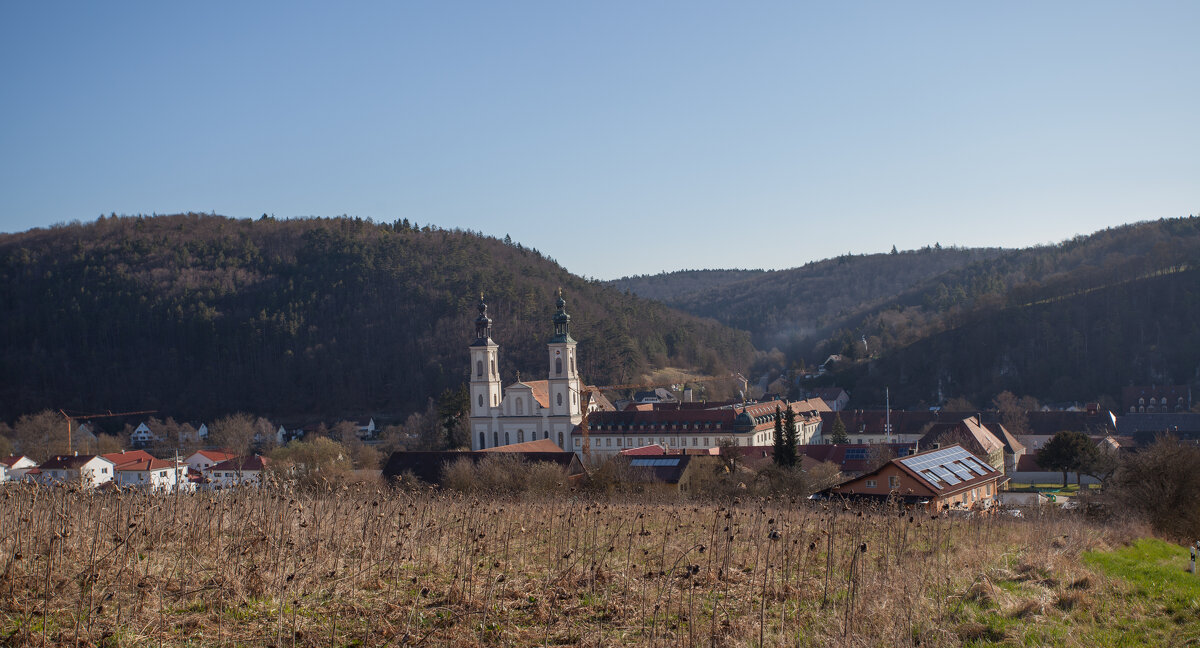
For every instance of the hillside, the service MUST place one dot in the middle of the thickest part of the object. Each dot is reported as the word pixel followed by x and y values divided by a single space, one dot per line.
pixel 197 316
pixel 781 307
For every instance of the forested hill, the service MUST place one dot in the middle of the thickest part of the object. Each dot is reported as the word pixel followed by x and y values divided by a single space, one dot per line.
pixel 197 316
pixel 782 307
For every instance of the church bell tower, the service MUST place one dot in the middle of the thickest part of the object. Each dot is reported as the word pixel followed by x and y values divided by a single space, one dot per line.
pixel 485 375
pixel 564 385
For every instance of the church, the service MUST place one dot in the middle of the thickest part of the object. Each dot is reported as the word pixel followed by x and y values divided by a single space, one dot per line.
pixel 526 410
pixel 553 408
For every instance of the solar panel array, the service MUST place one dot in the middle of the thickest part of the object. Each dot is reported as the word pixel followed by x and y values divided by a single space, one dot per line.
pixel 674 461
pixel 855 453
pixel 951 466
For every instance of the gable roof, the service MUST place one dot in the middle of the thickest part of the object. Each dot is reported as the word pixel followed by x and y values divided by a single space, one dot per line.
pixel 668 469
pixel 244 464
pixel 127 456
pixel 214 455
pixel 541 445
pixel 853 457
pixel 601 401
pixel 142 465
pixel 968 432
pixel 1011 444
pixel 68 462
pixel 12 460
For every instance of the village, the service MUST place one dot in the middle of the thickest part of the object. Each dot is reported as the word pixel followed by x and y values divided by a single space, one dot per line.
pixel 661 440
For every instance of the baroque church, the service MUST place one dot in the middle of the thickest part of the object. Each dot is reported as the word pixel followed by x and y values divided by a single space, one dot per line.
pixel 526 410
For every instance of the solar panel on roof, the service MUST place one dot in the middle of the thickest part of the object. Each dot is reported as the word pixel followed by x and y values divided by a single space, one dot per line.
pixel 855 454
pixel 642 461
pixel 945 474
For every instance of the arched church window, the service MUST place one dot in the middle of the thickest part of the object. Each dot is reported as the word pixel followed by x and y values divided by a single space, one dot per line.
pixel 572 364
pixel 560 440
pixel 520 436
pixel 546 435
pixel 481 400
pixel 482 440
pixel 558 366
pixel 520 406
pixel 495 399
pixel 479 368
pixel 560 399
pixel 495 438
pixel 493 367
pixel 506 441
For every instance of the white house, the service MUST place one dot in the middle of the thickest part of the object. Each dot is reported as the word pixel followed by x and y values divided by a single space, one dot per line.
pixel 142 435
pixel 239 471
pixel 14 468
pixel 201 460
pixel 153 474
pixel 366 430
pixel 88 471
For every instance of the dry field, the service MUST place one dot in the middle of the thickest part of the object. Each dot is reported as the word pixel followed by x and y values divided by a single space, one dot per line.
pixel 381 567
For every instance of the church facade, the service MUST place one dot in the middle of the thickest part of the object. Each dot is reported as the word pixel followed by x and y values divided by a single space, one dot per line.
pixel 525 410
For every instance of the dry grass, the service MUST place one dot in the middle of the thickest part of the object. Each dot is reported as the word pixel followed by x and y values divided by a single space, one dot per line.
pixel 376 567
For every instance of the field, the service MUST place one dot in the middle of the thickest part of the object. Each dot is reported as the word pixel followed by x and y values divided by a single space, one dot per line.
pixel 377 567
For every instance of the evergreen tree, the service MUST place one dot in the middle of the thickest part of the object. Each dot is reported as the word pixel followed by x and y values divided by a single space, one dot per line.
pixel 838 435
pixel 780 448
pixel 789 436
pixel 1066 451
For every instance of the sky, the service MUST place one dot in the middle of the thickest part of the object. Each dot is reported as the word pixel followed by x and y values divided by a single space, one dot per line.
pixel 618 138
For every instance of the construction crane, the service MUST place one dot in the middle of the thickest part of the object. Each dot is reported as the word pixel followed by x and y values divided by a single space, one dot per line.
pixel 108 414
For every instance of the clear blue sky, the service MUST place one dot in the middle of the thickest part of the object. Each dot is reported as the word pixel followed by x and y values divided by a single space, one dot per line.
pixel 617 137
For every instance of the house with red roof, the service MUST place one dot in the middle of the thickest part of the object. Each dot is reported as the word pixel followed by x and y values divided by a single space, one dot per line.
pixel 201 460
pixel 153 474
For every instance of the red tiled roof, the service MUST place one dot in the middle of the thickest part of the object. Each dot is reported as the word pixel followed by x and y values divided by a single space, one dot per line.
pixel 141 465
pixel 127 456
pixel 12 459
pixel 540 445
pixel 215 455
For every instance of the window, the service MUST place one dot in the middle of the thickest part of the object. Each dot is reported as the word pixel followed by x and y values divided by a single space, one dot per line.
pixel 481 400
pixel 493 367
pixel 506 441
pixel 870 483
pixel 893 482
pixel 482 440
pixel 560 399
pixel 520 436
pixel 520 406
pixel 495 438
pixel 558 366
pixel 479 368
pixel 576 441
pixel 560 440
pixel 695 442
pixel 618 443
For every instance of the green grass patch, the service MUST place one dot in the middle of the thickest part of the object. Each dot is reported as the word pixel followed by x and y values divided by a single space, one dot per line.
pixel 1156 568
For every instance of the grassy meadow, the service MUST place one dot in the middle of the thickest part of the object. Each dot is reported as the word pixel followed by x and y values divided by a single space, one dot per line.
pixel 381 567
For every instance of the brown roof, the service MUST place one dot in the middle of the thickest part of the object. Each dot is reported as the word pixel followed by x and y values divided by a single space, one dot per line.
pixel 541 445
pixel 927 468
pixel 541 391
pixel 853 457
pixel 257 462
pixel 968 432
pixel 66 462
pixel 12 459
pixel 1011 444
pixel 601 401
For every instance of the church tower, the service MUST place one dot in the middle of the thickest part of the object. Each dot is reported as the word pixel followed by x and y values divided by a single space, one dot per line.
pixel 564 387
pixel 485 375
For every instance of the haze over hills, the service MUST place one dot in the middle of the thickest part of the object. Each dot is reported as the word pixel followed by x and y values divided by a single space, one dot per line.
pixel 937 334
pixel 198 316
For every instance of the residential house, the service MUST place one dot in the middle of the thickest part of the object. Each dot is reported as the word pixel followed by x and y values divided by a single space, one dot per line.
pixel 13 468
pixel 1029 472
pixel 143 436
pixel 1143 428
pixel 946 478
pixel 1156 399
pixel 656 395
pixel 153 474
pixel 662 473
pixel 239 471
pixel 201 460
pixel 855 458
pixel 836 397
pixel 972 435
pixel 366 429
pixel 88 471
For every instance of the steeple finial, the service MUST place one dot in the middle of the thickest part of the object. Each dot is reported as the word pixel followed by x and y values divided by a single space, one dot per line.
pixel 483 324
